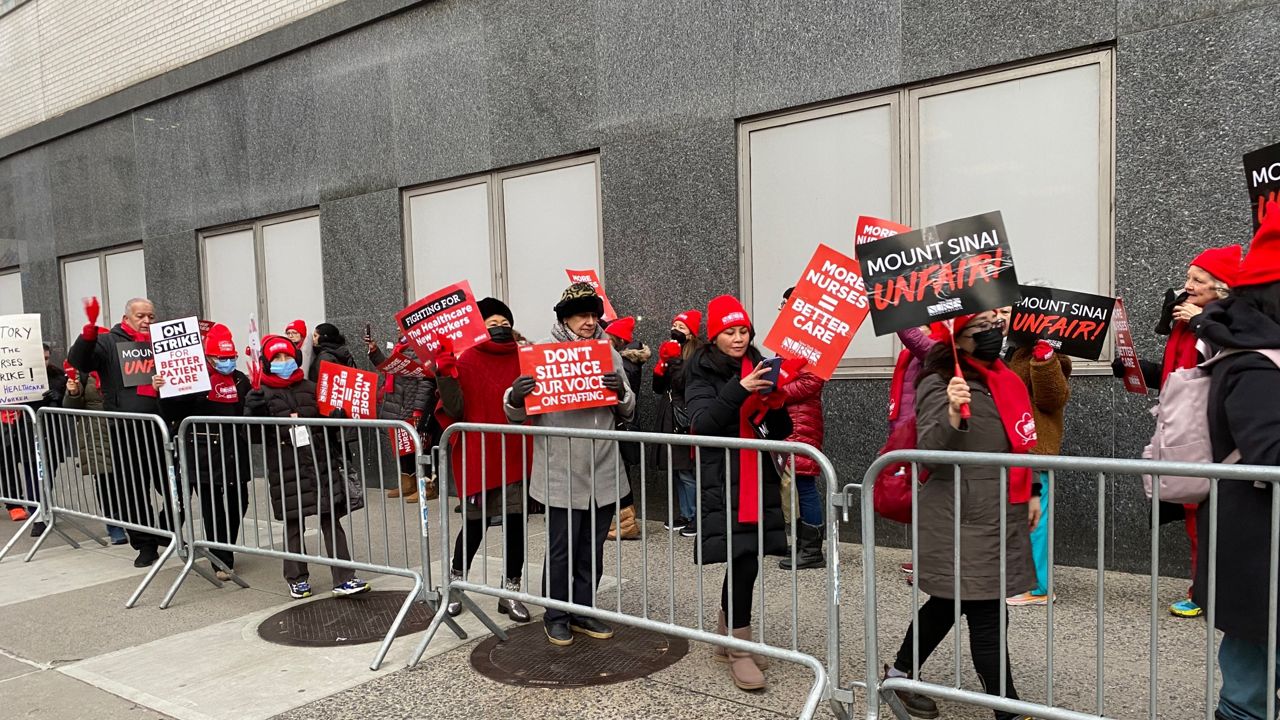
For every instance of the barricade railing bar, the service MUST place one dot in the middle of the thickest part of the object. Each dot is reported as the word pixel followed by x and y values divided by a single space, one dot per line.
pixel 634 604
pixel 322 474
pixel 21 468
pixel 948 470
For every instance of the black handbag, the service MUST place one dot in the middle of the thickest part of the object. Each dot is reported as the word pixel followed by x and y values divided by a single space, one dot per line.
pixel 681 422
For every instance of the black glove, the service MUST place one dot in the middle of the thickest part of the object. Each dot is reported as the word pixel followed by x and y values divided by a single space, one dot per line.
pixel 1171 301
pixel 338 414
pixel 1117 367
pixel 255 400
pixel 613 381
pixel 522 388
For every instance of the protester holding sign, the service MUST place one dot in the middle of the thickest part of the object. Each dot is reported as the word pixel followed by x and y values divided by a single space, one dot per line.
pixel 18 445
pixel 407 398
pixel 303 467
pixel 1000 420
pixel 218 455
pixel 729 396
pixel 328 345
pixel 804 405
pixel 673 417
pixel 491 476
pixel 563 472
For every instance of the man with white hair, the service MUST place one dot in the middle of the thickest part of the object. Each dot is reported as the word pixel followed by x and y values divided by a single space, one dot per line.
pixel 136 451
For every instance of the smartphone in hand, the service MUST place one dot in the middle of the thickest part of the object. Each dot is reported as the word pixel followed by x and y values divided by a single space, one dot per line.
pixel 774 365
pixel 368 333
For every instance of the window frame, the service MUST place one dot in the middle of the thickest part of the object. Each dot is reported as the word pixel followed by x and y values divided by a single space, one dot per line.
pixel 103 281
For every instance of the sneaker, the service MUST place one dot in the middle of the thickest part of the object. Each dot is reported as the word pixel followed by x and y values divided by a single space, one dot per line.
pixel 1186 609
pixel 690 530
pixel 591 627
pixel 147 557
pixel 1028 598
pixel 558 633
pixel 354 586
pixel 300 590
pixel 117 535
pixel 678 524
pixel 907 569
pixel 37 529
pixel 18 514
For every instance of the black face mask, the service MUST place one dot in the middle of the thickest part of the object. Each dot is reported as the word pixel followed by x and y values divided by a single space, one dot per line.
pixel 987 344
pixel 502 334
pixel 679 337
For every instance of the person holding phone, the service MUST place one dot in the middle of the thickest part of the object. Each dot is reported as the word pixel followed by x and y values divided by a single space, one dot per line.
pixel 410 399
pixel 728 394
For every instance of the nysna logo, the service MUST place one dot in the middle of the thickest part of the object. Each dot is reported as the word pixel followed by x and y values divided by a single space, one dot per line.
pixel 1026 428
pixel 733 317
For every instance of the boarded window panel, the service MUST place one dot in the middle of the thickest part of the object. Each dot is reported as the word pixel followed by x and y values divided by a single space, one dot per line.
pixel 294 273
pixel 230 282
pixel 83 279
pixel 11 294
pixel 810 181
pixel 1030 148
pixel 552 224
pixel 450 239
pixel 126 279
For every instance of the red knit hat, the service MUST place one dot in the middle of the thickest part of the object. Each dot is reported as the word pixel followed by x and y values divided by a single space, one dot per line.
pixel 941 330
pixel 725 312
pixel 1262 265
pixel 273 345
pixel 624 328
pixel 297 325
pixel 218 343
pixel 692 319
pixel 1222 263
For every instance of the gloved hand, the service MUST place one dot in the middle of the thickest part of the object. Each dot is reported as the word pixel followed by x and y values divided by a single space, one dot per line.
pixel 668 350
pixel 338 414
pixel 522 388
pixel 91 310
pixel 255 400
pixel 613 381
pixel 1171 301
pixel 1117 367
pixel 446 362
pixel 1042 351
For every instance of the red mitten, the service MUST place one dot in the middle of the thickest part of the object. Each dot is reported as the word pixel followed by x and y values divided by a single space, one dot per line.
pixel 1042 351
pixel 660 369
pixel 91 310
pixel 90 333
pixel 669 350
pixel 445 361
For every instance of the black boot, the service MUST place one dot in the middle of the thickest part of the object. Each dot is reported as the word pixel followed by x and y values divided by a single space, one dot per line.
pixel 920 706
pixel 809 541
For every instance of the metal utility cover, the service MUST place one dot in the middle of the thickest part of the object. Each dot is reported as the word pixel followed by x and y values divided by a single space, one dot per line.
pixel 526 659
pixel 353 620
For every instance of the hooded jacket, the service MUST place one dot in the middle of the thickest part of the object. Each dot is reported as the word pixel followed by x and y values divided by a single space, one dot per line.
pixel 326 351
pixel 1046 382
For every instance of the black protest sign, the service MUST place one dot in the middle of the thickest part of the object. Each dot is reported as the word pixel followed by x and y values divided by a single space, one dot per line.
pixel 1074 323
pixel 137 365
pixel 1262 176
pixel 954 268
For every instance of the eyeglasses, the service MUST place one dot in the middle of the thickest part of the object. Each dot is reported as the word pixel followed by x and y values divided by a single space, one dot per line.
pixel 983 327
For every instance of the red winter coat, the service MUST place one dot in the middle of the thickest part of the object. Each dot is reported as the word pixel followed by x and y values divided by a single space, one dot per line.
pixel 804 405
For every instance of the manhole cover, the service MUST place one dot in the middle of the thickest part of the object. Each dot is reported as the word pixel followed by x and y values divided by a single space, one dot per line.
pixel 353 620
pixel 526 659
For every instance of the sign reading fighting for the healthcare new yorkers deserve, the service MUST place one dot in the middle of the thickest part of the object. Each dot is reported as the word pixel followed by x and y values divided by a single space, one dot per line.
pixel 824 311
pixel 591 278
pixel 350 389
pixel 1128 354
pixel 22 374
pixel 450 312
pixel 397 363
pixel 179 357
pixel 954 268
pixel 1074 323
pixel 1262 177
pixel 567 376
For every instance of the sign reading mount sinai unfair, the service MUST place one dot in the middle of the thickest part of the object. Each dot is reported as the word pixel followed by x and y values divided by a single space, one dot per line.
pixel 823 313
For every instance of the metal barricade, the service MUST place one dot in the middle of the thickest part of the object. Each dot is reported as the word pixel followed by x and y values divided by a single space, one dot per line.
pixel 115 468
pixel 21 467
pixel 640 571
pixel 949 472
pixel 321 474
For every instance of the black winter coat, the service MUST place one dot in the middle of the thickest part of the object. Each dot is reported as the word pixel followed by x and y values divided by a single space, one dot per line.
pixel 103 357
pixel 328 352
pixel 715 396
pixel 306 480
pixel 408 395
pixel 1243 415
pixel 670 390
pixel 217 454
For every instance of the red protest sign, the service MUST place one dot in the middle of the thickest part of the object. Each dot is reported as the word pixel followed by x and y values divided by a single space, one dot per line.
pixel 205 326
pixel 347 388
pixel 1133 381
pixel 870 229
pixel 401 441
pixel 397 363
pixel 569 376
pixel 591 278
pixel 451 312
pixel 823 313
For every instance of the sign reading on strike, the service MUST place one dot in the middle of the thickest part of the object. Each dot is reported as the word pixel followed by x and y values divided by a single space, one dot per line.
pixel 954 268
pixel 591 278
pixel 397 363
pixel 350 389
pixel 823 313
pixel 1262 175
pixel 179 357
pixel 452 312
pixel 22 374
pixel 137 366
pixel 1074 323
pixel 871 229
pixel 1133 380
pixel 568 376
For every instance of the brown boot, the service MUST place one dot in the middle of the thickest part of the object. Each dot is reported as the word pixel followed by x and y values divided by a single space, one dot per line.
pixel 627 519
pixel 742 668
pixel 433 489
pixel 409 488
pixel 720 654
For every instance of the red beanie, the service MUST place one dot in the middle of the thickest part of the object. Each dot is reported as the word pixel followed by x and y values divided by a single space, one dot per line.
pixel 692 319
pixel 218 343
pixel 941 330
pixel 299 326
pixel 624 328
pixel 725 312
pixel 1262 265
pixel 273 345
pixel 1222 263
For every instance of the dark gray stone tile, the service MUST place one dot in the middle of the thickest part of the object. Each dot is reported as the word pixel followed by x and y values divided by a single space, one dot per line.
pixel 354 120
pixel 173 274
pixel 93 178
pixel 282 131
pixel 363 255
pixel 943 38
pixel 219 154
pixel 166 169
pixel 1137 15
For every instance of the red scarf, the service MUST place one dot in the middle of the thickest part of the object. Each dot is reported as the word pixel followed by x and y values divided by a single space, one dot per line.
pixel 138 336
pixel 752 414
pixel 895 386
pixel 1013 404
pixel 272 380
pixel 1180 352
pixel 222 388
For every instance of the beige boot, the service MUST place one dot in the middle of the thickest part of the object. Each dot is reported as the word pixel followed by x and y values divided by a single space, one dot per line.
pixel 742 665
pixel 409 488
pixel 720 654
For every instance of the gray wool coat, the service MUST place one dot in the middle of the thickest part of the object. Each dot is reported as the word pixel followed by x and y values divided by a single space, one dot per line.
pixel 557 483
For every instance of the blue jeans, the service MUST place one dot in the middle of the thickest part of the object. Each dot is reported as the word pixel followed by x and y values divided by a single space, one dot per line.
pixel 1040 537
pixel 808 500
pixel 687 493
pixel 1244 667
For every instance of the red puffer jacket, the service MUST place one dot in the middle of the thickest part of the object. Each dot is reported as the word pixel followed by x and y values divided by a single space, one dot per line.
pixel 804 404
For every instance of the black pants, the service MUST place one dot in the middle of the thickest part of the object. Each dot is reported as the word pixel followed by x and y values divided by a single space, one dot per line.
pixel 139 472
pixel 574 528
pixel 514 542
pixel 937 616
pixel 335 546
pixel 223 506
pixel 745 570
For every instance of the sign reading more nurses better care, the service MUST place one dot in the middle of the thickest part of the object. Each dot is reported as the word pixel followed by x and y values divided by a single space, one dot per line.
pixel 179 357
pixel 954 268
pixel 1133 380
pixel 823 313
pixel 1074 323
pixel 567 376
pixel 591 278
pixel 870 229
pixel 450 312
pixel 350 389
pixel 22 374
